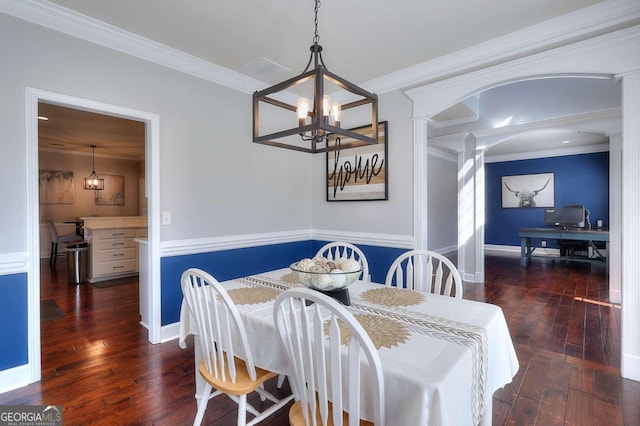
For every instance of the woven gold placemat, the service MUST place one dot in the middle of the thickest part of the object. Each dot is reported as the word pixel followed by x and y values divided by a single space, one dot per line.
pixel 252 295
pixel 391 296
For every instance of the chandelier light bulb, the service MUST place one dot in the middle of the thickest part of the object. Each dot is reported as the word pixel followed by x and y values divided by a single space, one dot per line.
pixel 326 105
pixel 302 108
pixel 336 112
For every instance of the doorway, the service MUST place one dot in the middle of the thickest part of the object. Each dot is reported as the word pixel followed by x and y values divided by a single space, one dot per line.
pixel 528 121
pixel 151 175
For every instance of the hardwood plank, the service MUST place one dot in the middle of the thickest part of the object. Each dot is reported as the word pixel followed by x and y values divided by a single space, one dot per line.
pixel 552 408
pixel 524 411
pixel 579 409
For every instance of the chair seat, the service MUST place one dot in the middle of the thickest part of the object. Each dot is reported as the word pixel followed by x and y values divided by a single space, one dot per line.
pixel 297 419
pixel 243 384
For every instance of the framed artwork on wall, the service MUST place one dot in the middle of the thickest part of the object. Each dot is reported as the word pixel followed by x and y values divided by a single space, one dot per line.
pixel 359 174
pixel 56 187
pixel 113 192
pixel 526 191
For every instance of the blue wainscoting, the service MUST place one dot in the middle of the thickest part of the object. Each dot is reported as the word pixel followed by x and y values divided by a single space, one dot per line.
pixel 579 179
pixel 13 321
pixel 223 265
pixel 229 264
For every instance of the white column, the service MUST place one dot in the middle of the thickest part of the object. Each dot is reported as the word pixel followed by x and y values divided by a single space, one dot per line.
pixel 479 208
pixel 420 207
pixel 469 236
pixel 615 206
pixel 630 366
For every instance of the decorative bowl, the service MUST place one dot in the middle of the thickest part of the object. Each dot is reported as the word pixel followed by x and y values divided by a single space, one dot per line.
pixel 336 279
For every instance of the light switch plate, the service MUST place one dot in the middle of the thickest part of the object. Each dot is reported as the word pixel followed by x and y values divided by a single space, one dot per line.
pixel 166 218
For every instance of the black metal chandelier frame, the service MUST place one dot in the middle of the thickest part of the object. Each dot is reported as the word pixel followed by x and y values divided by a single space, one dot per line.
pixel 318 132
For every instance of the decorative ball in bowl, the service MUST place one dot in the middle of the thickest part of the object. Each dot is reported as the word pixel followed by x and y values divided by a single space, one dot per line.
pixel 326 275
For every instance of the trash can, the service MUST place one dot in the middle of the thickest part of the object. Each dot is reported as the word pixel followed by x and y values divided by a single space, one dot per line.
pixel 77 257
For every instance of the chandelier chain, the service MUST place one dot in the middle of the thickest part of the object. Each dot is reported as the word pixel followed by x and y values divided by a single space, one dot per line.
pixel 316 37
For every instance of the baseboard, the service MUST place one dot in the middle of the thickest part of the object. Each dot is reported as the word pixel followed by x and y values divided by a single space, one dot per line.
pixel 14 378
pixel 630 367
pixel 169 332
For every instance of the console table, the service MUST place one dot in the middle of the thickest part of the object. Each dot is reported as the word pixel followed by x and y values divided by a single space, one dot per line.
pixel 591 235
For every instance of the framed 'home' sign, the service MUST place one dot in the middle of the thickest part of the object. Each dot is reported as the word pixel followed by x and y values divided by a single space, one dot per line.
pixel 359 174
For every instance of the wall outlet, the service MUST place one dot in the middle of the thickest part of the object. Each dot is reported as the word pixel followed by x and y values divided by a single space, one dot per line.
pixel 543 243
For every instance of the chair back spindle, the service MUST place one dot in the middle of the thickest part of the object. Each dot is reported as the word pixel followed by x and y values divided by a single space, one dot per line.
pixel 327 375
pixel 425 271
pixel 337 250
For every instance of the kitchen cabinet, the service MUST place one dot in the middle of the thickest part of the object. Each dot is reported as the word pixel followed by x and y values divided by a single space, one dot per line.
pixel 113 253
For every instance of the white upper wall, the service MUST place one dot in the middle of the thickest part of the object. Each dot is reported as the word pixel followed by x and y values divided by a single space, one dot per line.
pixel 214 180
pixel 394 216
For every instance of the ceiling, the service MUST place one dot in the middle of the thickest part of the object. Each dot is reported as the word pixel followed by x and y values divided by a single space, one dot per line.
pixel 73 130
pixel 269 41
pixel 362 39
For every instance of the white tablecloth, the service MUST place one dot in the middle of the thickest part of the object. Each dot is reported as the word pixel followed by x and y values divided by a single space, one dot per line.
pixel 442 358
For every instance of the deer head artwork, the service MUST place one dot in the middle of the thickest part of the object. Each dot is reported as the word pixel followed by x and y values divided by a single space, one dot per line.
pixel 527 196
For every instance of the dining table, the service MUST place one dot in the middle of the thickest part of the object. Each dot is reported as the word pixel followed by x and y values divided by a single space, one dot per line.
pixel 442 357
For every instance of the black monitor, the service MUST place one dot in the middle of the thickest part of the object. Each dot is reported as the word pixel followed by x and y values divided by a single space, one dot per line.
pixel 566 217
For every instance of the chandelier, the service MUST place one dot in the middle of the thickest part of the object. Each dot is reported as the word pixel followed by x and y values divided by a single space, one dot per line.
pixel 318 119
pixel 92 181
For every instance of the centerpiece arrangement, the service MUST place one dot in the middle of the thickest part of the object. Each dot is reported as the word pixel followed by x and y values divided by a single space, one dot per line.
pixel 328 276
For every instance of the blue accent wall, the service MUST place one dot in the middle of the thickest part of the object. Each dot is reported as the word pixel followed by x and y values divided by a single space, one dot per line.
pixel 229 264
pixel 579 179
pixel 13 321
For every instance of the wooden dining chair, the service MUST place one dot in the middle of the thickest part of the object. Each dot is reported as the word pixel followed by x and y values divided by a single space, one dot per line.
pixel 57 239
pixel 425 271
pixel 336 250
pixel 335 368
pixel 227 364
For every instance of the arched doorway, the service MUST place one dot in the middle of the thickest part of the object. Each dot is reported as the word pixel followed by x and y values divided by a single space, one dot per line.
pixel 584 58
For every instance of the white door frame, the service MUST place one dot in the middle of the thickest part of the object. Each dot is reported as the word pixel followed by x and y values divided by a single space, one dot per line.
pixel 152 179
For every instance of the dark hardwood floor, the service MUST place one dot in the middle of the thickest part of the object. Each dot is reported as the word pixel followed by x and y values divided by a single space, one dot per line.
pixel 98 364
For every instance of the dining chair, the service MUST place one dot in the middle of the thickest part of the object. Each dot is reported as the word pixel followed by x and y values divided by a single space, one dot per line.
pixel 55 239
pixel 227 363
pixel 425 271
pixel 336 250
pixel 336 372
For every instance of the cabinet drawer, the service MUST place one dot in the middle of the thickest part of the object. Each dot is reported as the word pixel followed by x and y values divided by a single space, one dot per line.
pixel 114 243
pixel 116 254
pixel 114 233
pixel 117 267
pixel 141 232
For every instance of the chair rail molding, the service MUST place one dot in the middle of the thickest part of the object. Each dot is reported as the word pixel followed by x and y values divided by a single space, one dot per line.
pixel 14 263
pixel 230 242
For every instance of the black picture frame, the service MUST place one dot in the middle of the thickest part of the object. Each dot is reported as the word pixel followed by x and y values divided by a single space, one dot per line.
pixel 361 173
pixel 527 191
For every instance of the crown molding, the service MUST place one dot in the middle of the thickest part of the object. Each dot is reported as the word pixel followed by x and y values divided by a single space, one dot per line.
pixel 606 120
pixel 547 153
pixel 58 18
pixel 594 20
pixel 582 24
